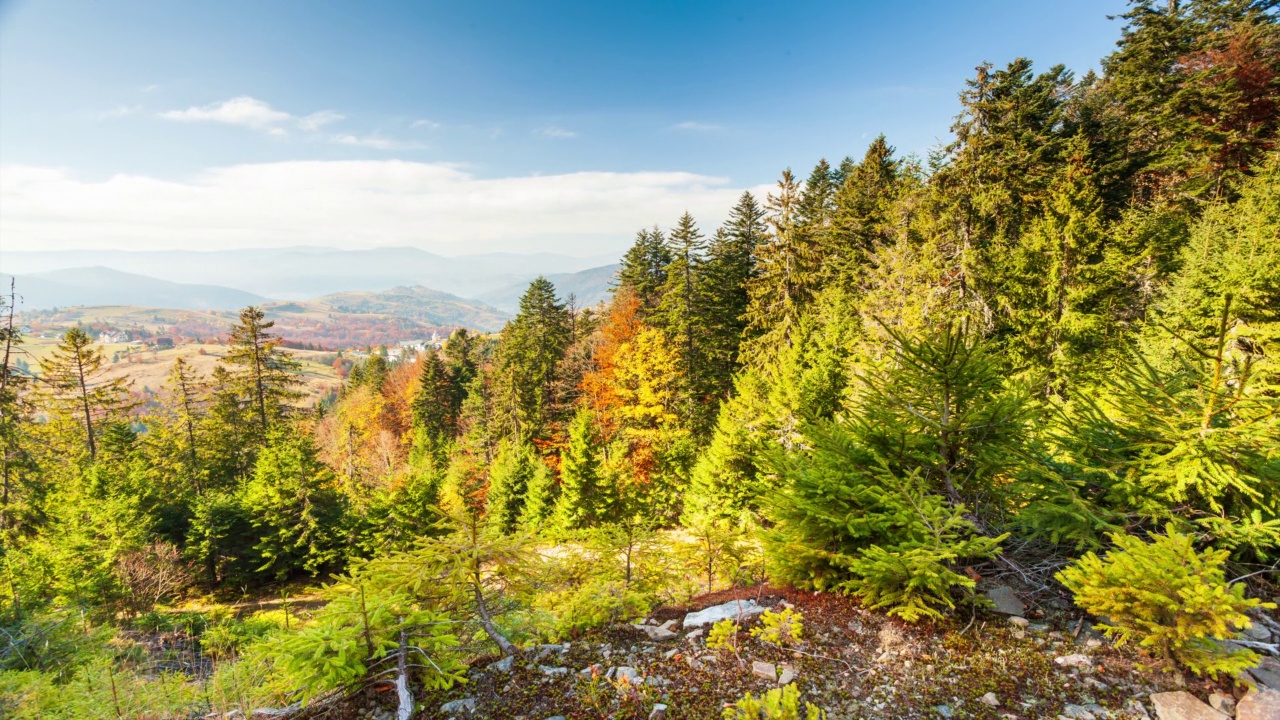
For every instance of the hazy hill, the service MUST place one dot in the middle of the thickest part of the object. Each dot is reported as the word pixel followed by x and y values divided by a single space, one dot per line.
pixel 104 286
pixel 305 272
pixel 414 303
pixel 588 287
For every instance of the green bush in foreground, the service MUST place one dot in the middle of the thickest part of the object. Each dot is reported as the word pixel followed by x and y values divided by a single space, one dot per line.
pixel 778 704
pixel 1167 597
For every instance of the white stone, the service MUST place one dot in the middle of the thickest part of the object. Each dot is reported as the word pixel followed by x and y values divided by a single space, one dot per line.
pixel 658 712
pixel 732 610
pixel 1224 704
pixel 656 632
pixel 990 700
pixel 1182 705
pixel 788 674
pixel 764 670
pixel 1074 660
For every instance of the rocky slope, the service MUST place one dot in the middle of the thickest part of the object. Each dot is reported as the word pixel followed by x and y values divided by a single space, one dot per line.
pixel 1043 663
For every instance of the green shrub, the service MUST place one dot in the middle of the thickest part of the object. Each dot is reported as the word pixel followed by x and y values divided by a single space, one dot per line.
pixel 778 704
pixel 850 523
pixel 1168 598
pixel 723 636
pixel 596 602
pixel 781 629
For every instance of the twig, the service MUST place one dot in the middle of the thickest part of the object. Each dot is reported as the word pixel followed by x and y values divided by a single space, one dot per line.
pixel 1273 648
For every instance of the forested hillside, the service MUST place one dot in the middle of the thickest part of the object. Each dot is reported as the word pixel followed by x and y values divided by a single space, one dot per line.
pixel 1043 357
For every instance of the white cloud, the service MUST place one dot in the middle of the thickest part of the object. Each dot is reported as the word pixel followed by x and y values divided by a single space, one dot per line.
pixel 696 126
pixel 317 120
pixel 244 111
pixel 551 131
pixel 351 204
pixel 377 142
pixel 253 113
pixel 424 123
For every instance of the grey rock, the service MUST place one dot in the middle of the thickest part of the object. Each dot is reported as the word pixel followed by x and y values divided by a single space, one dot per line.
pixel 1073 660
pixel 1019 622
pixel 693 635
pixel 1267 673
pixel 1182 705
pixel 629 674
pixel 942 710
pixel 503 665
pixel 1005 600
pixel 556 717
pixel 732 610
pixel 990 700
pixel 658 712
pixel 693 662
pixel 670 653
pixel 1136 709
pixel 787 674
pixel 553 671
pixel 1257 632
pixel 465 705
pixel 764 670
pixel 1259 704
pixel 656 632
pixel 591 670
pixel 1077 712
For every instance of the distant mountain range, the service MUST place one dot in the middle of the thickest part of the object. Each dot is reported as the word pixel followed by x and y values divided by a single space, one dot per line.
pixel 588 287
pixel 300 272
pixel 418 303
pixel 363 292
pixel 104 286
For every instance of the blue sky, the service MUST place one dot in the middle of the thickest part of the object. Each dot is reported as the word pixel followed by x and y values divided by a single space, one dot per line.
pixel 503 125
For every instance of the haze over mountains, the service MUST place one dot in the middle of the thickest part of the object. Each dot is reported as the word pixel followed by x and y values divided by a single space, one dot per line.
pixel 299 273
pixel 104 286
pixel 478 291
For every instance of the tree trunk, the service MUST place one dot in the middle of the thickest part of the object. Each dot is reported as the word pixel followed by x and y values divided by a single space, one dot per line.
pixel 405 710
pixel 84 398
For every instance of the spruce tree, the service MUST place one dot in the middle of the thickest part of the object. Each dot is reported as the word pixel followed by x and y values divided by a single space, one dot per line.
pixel 434 412
pixel 786 264
pixel 644 268
pixel 298 512
pixel 729 267
pixel 683 315
pixel 260 370
pixel 73 375
pixel 583 499
pixel 509 475
pixel 187 399
pixel 525 362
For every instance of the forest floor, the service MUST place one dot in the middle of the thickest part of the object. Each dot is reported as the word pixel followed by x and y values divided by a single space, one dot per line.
pixel 853 663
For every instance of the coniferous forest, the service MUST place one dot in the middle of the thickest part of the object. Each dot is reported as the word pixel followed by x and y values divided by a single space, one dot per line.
pixel 1045 357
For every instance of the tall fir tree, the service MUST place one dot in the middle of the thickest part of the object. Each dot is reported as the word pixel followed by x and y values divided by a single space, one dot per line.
pixel 260 370
pixel 644 268
pixel 74 377
pixel 785 281
pixel 525 362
